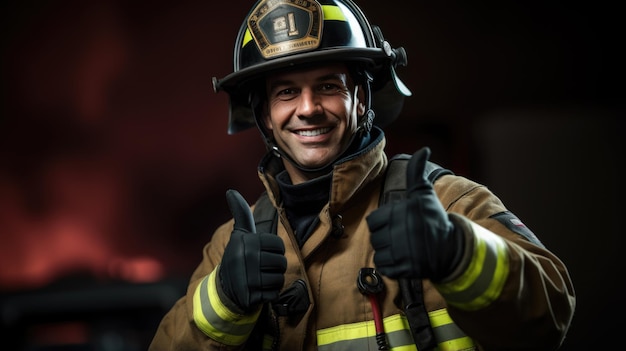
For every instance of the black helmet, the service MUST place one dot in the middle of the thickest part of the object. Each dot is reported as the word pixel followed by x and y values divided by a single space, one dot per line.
pixel 278 34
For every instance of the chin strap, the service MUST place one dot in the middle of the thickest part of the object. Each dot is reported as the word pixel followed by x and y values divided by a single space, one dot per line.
pixel 367 121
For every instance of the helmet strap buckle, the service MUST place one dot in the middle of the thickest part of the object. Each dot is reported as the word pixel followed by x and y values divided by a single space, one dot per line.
pixel 367 121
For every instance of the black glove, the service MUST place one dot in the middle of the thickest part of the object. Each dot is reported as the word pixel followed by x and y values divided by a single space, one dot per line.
pixel 413 238
pixel 253 266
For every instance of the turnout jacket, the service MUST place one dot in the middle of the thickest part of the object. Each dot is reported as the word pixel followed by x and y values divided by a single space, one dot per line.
pixel 511 294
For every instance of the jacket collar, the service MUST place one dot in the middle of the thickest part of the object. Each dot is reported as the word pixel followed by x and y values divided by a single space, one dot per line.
pixel 349 174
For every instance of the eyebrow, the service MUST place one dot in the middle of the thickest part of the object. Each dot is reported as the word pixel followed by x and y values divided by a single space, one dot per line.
pixel 326 77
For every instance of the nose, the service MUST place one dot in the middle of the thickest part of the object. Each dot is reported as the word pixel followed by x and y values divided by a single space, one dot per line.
pixel 309 104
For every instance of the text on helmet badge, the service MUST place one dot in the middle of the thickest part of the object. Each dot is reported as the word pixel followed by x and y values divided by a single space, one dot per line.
pixel 282 27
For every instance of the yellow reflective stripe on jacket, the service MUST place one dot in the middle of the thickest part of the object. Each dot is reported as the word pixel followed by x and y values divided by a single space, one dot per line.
pixel 448 335
pixel 331 13
pixel 268 343
pixel 362 335
pixel 483 280
pixel 216 320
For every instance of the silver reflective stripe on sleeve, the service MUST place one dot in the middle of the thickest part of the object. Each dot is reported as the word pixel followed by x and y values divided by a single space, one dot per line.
pixel 215 319
pixel 484 278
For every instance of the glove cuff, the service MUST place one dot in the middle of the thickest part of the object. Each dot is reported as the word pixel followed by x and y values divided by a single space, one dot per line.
pixel 225 299
pixel 463 253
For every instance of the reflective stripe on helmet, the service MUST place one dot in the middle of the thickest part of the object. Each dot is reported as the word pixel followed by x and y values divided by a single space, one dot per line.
pixel 362 336
pixel 484 278
pixel 216 320
pixel 331 13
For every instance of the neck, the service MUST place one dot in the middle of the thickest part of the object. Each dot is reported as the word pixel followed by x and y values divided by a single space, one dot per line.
pixel 298 176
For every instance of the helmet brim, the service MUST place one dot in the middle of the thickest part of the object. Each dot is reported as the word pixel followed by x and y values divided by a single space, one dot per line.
pixel 238 82
pixel 387 101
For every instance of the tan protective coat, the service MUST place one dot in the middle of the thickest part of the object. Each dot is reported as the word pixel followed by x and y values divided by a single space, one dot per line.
pixel 533 312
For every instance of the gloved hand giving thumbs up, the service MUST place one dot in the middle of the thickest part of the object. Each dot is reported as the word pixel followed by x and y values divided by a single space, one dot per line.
pixel 413 238
pixel 253 265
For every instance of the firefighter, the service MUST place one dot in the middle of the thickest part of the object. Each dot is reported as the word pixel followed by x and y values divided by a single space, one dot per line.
pixel 444 266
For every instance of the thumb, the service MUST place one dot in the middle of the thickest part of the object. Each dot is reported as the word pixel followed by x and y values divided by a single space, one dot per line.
pixel 240 211
pixel 415 170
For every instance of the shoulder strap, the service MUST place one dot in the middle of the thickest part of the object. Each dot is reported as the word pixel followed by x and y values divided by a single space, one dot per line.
pixel 412 292
pixel 395 180
pixel 393 189
pixel 265 215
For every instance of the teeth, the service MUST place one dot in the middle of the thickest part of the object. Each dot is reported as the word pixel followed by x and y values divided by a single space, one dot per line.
pixel 315 132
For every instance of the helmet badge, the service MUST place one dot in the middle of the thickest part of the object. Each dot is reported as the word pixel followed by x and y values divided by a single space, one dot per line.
pixel 282 27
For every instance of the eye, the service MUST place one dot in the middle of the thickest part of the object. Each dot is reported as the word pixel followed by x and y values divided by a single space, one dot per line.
pixel 285 94
pixel 329 88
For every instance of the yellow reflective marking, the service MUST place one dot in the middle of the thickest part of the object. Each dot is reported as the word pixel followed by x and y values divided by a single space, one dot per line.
pixel 222 311
pixel 457 344
pixel 404 348
pixel 346 332
pixel 210 296
pixel 439 318
pixel 198 317
pixel 471 273
pixel 497 283
pixel 268 341
pixel 487 244
pixel 359 330
pixel 247 36
pixel 331 13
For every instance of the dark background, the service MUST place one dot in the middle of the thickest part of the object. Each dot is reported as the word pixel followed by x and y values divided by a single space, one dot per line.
pixel 114 157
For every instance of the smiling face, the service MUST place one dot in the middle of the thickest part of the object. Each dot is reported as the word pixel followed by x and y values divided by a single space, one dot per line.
pixel 312 115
